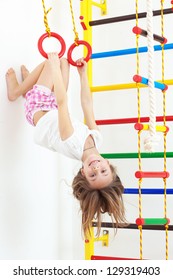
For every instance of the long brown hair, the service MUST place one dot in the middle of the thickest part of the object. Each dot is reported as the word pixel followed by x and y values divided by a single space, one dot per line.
pixel 95 202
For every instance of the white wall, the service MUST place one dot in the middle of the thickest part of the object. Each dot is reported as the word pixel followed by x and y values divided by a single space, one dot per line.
pixel 39 217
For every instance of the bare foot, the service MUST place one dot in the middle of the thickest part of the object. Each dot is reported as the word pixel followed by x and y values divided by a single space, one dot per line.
pixel 12 84
pixel 24 72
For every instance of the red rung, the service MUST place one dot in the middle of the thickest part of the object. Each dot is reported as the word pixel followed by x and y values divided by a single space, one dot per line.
pixel 132 120
pixel 110 258
pixel 155 174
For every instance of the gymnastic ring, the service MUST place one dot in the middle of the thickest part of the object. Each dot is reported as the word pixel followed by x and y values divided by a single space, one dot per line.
pixel 74 45
pixel 55 35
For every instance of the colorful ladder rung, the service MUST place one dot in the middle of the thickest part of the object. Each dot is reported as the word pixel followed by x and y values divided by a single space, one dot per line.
pixel 148 191
pixel 124 86
pixel 132 226
pixel 155 174
pixel 142 80
pixel 132 120
pixel 135 155
pixel 139 31
pixel 130 51
pixel 128 17
pixel 159 128
pixel 152 221
pixel 110 258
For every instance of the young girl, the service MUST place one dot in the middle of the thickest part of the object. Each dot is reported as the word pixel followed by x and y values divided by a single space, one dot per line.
pixel 96 186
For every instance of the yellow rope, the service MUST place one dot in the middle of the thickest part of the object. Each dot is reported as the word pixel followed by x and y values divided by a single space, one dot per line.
pixel 139 135
pixel 45 18
pixel 165 134
pixel 76 39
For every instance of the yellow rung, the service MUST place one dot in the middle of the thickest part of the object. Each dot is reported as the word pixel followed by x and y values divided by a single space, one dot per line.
pixel 159 128
pixel 167 82
pixel 123 86
pixel 115 87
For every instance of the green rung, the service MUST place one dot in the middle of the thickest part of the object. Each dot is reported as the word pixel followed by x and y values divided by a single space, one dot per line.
pixel 135 155
pixel 152 221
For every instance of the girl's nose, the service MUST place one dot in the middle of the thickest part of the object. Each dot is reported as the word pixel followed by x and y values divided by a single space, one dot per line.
pixel 95 168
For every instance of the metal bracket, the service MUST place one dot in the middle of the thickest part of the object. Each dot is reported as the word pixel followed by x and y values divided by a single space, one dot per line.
pixel 104 238
pixel 102 6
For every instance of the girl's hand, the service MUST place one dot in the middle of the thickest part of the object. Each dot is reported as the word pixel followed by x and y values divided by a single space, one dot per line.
pixel 54 60
pixel 81 66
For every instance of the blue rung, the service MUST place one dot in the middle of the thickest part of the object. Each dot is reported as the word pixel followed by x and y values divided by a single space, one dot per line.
pixel 156 84
pixel 130 51
pixel 147 191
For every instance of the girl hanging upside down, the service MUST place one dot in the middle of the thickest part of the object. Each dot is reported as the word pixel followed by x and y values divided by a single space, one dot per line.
pixel 96 185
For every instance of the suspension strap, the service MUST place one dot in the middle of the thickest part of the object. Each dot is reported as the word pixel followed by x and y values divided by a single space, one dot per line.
pixel 165 134
pixel 76 38
pixel 139 137
pixel 47 28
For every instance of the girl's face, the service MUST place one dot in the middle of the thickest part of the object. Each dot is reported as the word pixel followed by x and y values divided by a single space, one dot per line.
pixel 97 171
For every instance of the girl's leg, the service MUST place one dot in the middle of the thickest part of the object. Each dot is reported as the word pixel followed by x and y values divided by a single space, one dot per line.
pixel 45 79
pixel 14 89
pixel 65 71
pixel 24 72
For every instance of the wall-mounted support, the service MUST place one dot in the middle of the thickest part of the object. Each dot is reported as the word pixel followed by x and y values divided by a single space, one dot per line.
pixel 89 242
pixel 104 238
pixel 102 6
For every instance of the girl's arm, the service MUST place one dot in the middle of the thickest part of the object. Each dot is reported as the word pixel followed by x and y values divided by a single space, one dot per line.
pixel 65 125
pixel 86 98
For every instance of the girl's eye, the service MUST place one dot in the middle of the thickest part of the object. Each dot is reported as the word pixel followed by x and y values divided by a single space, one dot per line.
pixel 92 175
pixel 103 171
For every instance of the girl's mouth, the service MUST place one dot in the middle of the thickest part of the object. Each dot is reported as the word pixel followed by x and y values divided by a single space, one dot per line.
pixel 93 161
